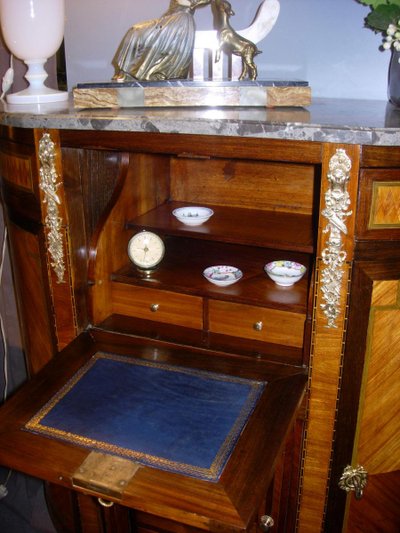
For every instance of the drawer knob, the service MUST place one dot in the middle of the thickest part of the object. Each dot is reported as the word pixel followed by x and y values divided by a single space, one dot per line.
pixel 154 307
pixel 105 503
pixel 266 522
pixel 258 326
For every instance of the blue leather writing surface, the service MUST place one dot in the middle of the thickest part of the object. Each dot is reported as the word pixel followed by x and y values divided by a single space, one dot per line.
pixel 169 417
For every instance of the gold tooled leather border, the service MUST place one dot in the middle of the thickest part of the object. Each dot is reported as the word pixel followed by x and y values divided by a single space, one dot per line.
pixel 211 474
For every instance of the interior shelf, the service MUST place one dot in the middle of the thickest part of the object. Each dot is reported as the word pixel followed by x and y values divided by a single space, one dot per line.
pixel 270 229
pixel 181 270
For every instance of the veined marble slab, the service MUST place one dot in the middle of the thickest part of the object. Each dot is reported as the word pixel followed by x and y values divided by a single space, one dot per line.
pixel 366 122
pixel 183 93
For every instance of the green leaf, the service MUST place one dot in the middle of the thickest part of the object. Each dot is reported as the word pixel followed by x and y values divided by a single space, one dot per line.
pixel 374 4
pixel 382 16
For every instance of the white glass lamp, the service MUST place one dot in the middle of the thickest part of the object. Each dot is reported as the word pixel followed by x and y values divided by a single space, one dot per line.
pixel 33 31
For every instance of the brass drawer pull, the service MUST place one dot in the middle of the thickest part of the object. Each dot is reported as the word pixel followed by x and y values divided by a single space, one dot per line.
pixel 266 522
pixel 154 307
pixel 258 326
pixel 105 503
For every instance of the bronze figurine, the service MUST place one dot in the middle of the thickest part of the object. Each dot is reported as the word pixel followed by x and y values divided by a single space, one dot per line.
pixel 159 49
pixel 230 41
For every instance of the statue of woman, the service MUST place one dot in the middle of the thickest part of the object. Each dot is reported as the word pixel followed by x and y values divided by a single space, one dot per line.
pixel 159 49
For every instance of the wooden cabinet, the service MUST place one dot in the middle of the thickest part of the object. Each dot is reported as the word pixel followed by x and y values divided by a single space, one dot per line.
pixel 329 206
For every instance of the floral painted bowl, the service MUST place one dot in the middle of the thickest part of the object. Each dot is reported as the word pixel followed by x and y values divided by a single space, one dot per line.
pixel 285 273
pixel 222 275
pixel 193 216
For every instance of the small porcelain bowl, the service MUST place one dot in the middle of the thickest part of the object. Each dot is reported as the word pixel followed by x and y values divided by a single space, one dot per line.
pixel 193 216
pixel 285 273
pixel 222 275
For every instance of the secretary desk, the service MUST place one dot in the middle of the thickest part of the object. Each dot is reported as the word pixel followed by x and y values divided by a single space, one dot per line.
pixel 319 448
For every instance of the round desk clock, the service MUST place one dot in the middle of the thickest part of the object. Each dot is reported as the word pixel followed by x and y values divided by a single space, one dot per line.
pixel 146 250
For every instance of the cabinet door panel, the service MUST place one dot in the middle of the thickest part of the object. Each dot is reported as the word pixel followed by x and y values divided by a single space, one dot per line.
pixel 378 448
pixel 368 423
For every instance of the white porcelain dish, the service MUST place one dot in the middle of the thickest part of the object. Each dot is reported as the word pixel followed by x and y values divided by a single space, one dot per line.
pixel 222 275
pixel 193 216
pixel 285 273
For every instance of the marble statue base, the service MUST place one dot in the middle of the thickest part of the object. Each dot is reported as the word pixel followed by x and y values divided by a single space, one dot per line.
pixel 185 93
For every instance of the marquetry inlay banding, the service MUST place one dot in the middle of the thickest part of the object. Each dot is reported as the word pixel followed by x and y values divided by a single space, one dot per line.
pixel 336 210
pixel 49 184
pixel 385 206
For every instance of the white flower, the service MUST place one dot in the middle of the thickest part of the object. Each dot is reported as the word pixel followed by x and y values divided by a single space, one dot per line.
pixel 392 38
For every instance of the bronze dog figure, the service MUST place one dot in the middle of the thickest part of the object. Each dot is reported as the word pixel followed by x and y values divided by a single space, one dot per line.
pixel 231 41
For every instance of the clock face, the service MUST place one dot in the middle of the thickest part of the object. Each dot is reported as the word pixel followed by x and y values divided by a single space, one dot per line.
pixel 146 249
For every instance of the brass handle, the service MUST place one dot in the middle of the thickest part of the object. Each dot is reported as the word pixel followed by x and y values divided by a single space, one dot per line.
pixel 258 326
pixel 354 480
pixel 105 503
pixel 266 522
pixel 154 307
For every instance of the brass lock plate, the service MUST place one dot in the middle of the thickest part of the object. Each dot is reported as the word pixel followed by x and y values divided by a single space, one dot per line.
pixel 106 474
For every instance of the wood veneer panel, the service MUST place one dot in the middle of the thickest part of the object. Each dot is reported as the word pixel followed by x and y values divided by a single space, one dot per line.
pixel 21 204
pixel 90 177
pixel 378 210
pixel 378 510
pixel 201 145
pixel 256 185
pixel 19 135
pixel 377 446
pixel 380 156
pixel 286 479
pixel 142 186
pixel 327 345
pixel 32 297
pixel 383 278
pixel 56 230
pixel 151 524
pixel 378 443
pixel 16 165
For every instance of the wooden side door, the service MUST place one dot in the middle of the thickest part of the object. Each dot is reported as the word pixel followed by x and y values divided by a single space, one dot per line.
pixel 367 436
pixel 377 443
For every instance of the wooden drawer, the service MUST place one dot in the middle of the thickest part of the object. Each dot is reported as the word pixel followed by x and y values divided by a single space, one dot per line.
pixel 161 306
pixel 258 323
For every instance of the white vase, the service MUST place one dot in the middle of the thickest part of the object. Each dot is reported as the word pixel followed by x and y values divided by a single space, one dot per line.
pixel 33 31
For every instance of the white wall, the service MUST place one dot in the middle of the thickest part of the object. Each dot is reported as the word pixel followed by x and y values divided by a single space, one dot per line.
pixel 320 41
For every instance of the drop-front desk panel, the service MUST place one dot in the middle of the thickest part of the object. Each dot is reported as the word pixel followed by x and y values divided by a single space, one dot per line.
pixel 161 402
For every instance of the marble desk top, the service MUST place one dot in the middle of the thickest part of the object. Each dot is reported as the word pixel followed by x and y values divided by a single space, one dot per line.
pixel 369 122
